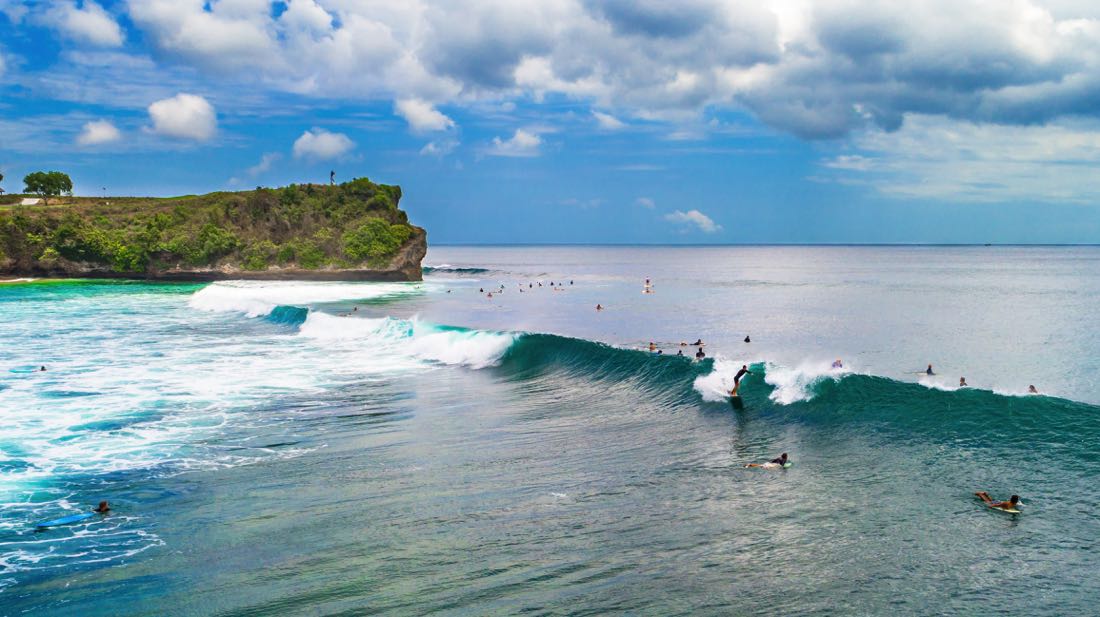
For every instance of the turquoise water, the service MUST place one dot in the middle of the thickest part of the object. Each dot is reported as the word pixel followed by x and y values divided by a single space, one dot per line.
pixel 437 451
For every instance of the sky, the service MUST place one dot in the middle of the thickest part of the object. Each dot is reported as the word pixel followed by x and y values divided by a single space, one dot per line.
pixel 586 121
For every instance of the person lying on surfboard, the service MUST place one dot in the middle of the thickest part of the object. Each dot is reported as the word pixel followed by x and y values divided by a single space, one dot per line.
pixel 775 462
pixel 1011 504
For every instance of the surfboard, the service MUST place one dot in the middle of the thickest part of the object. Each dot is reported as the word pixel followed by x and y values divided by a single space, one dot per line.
pixel 65 520
pixel 1006 510
pixel 770 466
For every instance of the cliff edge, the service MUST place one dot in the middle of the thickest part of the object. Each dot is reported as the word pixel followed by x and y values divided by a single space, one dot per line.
pixel 350 231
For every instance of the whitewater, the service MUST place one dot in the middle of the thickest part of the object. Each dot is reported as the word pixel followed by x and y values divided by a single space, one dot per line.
pixel 525 451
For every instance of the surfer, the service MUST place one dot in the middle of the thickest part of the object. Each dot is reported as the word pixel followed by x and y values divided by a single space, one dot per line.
pixel 599 308
pixel 652 346
pixel 962 382
pixel 747 339
pixel 103 508
pixel 1032 390
pixel 699 355
pixel 775 462
pixel 42 369
pixel 680 353
pixel 1000 505
pixel 928 371
pixel 837 363
pixel 737 378
pixel 698 343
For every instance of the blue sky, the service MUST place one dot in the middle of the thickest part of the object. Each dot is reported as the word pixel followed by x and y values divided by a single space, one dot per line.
pixel 700 121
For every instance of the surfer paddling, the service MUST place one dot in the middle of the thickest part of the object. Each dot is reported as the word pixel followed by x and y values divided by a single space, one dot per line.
pixel 1007 506
pixel 772 464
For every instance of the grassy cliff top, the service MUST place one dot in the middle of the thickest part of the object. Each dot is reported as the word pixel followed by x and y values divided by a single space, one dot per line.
pixel 352 225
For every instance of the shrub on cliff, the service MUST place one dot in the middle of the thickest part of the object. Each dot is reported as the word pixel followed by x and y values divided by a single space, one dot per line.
pixel 376 241
pixel 307 226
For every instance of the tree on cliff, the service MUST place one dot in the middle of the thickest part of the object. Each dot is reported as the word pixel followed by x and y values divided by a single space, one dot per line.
pixel 48 184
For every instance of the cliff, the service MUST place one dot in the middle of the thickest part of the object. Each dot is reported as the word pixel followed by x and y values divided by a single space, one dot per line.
pixel 351 231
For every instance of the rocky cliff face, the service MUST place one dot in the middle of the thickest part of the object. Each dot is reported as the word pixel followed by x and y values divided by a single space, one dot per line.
pixel 353 231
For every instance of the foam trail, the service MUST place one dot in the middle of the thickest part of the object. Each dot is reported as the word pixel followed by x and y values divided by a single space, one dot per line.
pixel 259 298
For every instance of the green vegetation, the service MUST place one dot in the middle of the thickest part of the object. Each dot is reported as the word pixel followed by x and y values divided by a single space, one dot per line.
pixel 48 184
pixel 355 225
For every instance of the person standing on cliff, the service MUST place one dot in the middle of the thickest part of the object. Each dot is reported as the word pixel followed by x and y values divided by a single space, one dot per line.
pixel 332 177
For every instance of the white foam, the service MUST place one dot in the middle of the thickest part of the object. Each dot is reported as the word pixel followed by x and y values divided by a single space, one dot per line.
pixel 790 384
pixel 258 298
pixel 796 384
pixel 715 386
pixel 399 340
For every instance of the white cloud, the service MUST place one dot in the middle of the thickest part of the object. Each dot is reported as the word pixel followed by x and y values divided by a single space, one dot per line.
pixel 322 145
pixel 266 161
pixel 645 202
pixel 694 217
pixel 15 10
pixel 185 116
pixel 851 162
pixel 934 157
pixel 439 148
pixel 231 35
pixel 607 121
pixel 522 143
pixel 98 132
pixel 421 116
pixel 820 68
pixel 88 24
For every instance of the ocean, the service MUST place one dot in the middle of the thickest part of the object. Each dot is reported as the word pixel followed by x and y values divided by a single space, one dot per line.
pixel 282 448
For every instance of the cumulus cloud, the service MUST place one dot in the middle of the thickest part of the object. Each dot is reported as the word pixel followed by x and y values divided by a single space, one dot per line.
pixel 820 69
pixel 184 116
pixel 89 23
pixel 421 116
pixel 694 218
pixel 607 122
pixel 521 143
pixel 98 132
pixel 322 145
